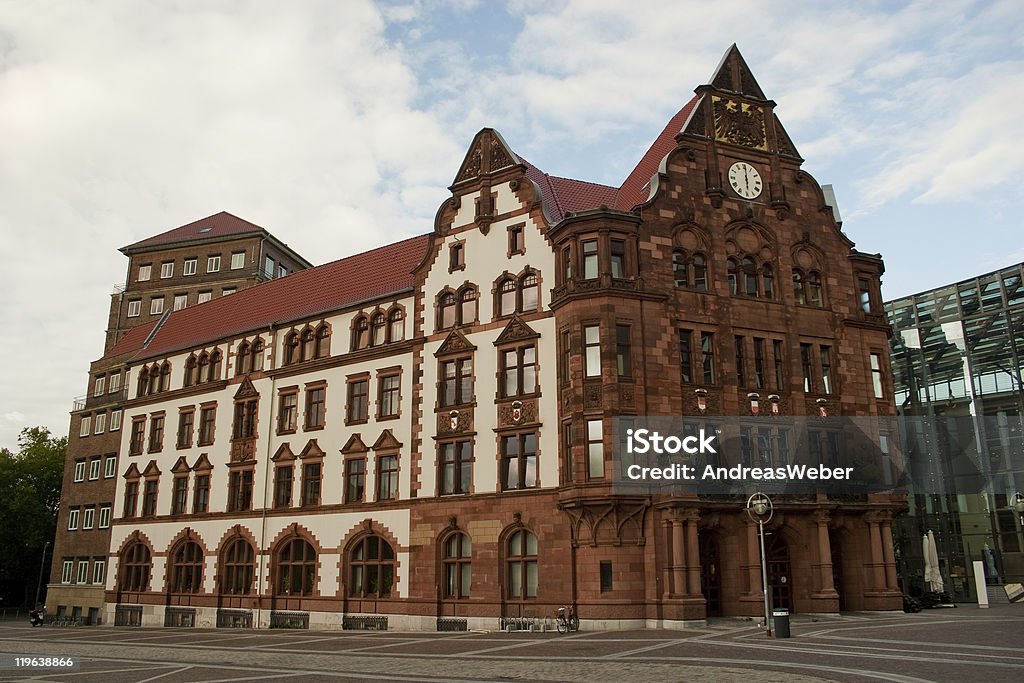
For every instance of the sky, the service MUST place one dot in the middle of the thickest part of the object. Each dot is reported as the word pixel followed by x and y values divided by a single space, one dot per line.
pixel 338 125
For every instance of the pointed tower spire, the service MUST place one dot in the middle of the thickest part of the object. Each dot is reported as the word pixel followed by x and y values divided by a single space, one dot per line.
pixel 733 75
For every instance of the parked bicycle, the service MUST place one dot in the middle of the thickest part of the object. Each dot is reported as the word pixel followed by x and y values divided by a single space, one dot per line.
pixel 566 620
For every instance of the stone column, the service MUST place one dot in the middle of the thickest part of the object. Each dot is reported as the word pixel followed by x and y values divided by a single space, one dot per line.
pixel 821 518
pixel 667 587
pixel 678 558
pixel 891 582
pixel 692 553
pixel 877 562
pixel 753 559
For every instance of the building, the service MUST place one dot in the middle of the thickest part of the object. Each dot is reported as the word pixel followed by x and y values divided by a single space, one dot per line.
pixel 420 436
pixel 957 355
pixel 189 265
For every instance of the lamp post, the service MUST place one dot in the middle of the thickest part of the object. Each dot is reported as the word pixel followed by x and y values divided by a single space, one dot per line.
pixel 42 563
pixel 759 509
pixel 1018 506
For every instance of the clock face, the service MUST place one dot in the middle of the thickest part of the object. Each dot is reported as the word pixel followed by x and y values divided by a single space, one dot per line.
pixel 745 180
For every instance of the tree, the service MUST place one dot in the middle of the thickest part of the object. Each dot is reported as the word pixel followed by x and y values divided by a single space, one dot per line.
pixel 30 482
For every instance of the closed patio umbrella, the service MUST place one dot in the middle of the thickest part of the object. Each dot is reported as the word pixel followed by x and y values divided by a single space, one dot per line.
pixel 932 575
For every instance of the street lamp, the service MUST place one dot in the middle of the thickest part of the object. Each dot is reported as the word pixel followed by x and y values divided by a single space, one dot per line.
pixel 760 510
pixel 1018 506
pixel 42 563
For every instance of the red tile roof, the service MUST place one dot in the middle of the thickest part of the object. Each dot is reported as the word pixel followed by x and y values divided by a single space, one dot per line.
pixel 371 275
pixel 635 188
pixel 221 224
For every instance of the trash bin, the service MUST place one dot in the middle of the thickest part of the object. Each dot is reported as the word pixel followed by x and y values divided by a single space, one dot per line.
pixel 780 619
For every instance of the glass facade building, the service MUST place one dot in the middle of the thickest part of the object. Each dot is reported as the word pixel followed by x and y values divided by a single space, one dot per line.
pixel 957 356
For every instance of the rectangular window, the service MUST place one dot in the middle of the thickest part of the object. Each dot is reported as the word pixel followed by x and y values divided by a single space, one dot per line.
pixel 595 449
pixel 606 577
pixel 156 433
pixel 201 499
pixel 238 260
pixel 283 486
pixel 73 514
pixel 387 477
pixel 519 368
pixel 759 378
pixel 519 461
pixel 186 424
pixel 592 350
pixel 80 470
pixel 134 308
pixel 88 515
pixel 114 385
pixel 686 356
pixel 115 420
pixel 311 480
pixel 94 469
pixel 566 264
pixel 166 270
pixel 101 423
pixel 355 480
pixel 825 354
pixel 104 517
pixel 288 412
pixel 138 438
pixel 618 261
pixel 85 428
pixel 145 272
pixel 707 356
pixel 98 386
pixel 213 264
pixel 110 467
pixel 516 245
pixel 98 571
pixel 864 288
pixel 741 362
pixel 876 375
pixel 805 366
pixel 204 297
pixel 189 266
pixel 131 498
pixel 589 249
pixel 778 359
pixel 282 271
pixel 456 382
pixel 240 490
pixel 179 497
pixel 623 352
pixel 268 267
pixel 565 359
pixel 244 423
pixel 83 571
pixel 149 494
pixel 207 425
pixel 66 571
pixel 456 474
pixel 456 256
pixel 388 389
pixel 156 305
pixel 180 301
pixel 358 400
pixel 228 291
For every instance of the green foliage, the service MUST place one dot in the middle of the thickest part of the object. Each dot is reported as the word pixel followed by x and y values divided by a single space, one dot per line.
pixel 30 482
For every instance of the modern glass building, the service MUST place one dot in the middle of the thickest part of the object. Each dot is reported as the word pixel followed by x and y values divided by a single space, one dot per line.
pixel 957 357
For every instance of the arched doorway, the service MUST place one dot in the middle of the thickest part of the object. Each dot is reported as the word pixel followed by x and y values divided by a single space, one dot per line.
pixel 779 576
pixel 710 572
pixel 837 567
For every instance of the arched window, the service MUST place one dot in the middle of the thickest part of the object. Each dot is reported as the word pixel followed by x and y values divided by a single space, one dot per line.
pixel 291 348
pixel 700 273
pixel 372 567
pixel 243 359
pixel 679 270
pixel 256 362
pixel 204 367
pixel 214 365
pixel 236 568
pixel 186 575
pixel 165 376
pixel 154 379
pixel 143 385
pixel 734 274
pixel 528 288
pixel 521 564
pixel 749 276
pixel 814 295
pixel 798 287
pixel 507 297
pixel 458 572
pixel 467 306
pixel 191 371
pixel 396 325
pixel 136 566
pixel 768 281
pixel 323 342
pixel 308 344
pixel 296 568
pixel 446 308
pixel 360 333
pixel 378 329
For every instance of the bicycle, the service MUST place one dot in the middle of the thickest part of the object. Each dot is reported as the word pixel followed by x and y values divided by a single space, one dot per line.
pixel 566 620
